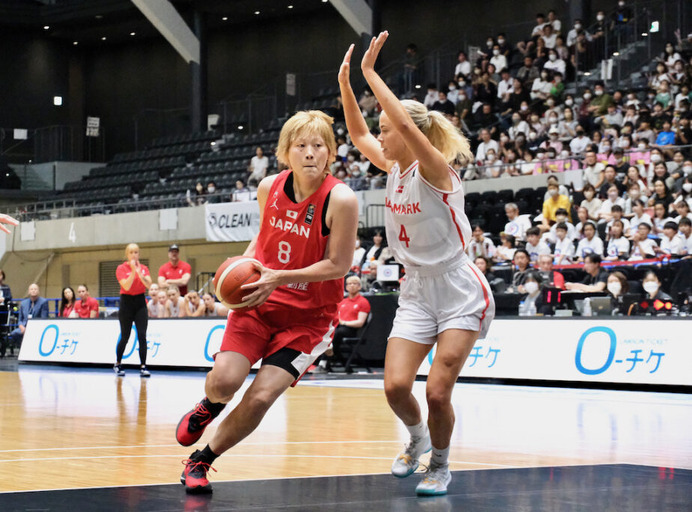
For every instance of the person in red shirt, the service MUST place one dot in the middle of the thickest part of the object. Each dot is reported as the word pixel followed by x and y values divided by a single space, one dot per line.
pixel 86 306
pixel 353 312
pixel 175 271
pixel 551 277
pixel 134 280
pixel 308 222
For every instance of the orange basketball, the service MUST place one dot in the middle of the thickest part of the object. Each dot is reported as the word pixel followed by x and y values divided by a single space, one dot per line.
pixel 230 276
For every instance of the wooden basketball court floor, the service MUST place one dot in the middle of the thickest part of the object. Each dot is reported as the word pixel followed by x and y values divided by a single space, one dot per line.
pixel 84 440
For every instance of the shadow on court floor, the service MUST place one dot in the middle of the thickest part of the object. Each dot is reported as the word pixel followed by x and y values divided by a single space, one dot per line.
pixel 572 488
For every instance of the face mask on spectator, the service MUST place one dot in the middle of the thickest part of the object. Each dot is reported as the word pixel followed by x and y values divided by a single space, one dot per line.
pixel 504 138
pixel 491 158
pixel 687 169
pixel 552 57
pixel 655 158
pixel 613 196
pixel 496 52
pixel 552 119
pixel 687 187
pixel 588 195
pixel 211 190
pixel 552 192
pixel 599 92
pixel 600 17
pixel 587 96
pixel 621 4
pixel 569 102
pixel 531 287
pixel 641 146
pixel 615 288
pixel 524 107
pixel 651 287
pixel 564 154
pixel 515 120
pixel 580 133
pixel 462 96
pixel 500 41
pixel 452 87
pixel 461 83
pixel 606 148
pixel 625 144
pixel 489 44
pixel 351 158
pixel 577 26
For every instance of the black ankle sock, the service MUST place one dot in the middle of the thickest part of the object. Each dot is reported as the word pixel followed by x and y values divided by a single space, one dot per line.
pixel 205 455
pixel 213 408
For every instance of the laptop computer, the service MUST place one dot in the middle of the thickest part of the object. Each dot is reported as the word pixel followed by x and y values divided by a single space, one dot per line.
pixel 601 306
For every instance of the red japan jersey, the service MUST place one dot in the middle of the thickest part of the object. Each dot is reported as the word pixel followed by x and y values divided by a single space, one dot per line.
pixel 292 236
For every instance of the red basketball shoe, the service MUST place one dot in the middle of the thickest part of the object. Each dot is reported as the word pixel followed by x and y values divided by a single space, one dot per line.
pixel 192 425
pixel 194 476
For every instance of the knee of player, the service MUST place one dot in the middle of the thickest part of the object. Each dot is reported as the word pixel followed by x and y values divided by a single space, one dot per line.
pixel 397 389
pixel 221 384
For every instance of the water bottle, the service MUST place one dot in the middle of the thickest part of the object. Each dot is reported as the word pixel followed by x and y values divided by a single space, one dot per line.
pixel 587 307
pixel 522 309
pixel 532 309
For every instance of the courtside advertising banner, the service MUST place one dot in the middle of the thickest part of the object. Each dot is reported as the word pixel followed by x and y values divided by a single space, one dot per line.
pixel 619 351
pixel 232 222
pixel 175 342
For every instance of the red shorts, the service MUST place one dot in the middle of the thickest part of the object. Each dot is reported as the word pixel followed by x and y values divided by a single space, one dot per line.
pixel 260 332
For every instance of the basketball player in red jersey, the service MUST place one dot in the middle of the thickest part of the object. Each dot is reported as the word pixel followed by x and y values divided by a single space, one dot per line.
pixel 308 221
pixel 445 299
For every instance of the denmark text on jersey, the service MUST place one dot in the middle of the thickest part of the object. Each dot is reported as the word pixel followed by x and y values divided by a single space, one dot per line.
pixel 403 209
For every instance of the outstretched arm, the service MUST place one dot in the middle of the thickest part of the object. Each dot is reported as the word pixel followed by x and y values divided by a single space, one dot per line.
pixel 433 165
pixel 357 128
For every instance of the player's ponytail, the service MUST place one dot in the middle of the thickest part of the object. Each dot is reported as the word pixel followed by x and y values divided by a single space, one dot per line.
pixel 440 132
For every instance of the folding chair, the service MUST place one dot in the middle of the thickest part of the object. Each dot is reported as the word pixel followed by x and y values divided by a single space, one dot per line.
pixel 354 343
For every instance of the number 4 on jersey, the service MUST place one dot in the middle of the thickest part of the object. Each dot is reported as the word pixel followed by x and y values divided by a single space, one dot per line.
pixel 403 237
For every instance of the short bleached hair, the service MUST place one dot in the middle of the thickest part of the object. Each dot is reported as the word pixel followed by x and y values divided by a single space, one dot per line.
pixel 306 122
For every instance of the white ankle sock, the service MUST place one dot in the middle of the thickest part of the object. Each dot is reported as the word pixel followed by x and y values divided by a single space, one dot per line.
pixel 418 431
pixel 440 457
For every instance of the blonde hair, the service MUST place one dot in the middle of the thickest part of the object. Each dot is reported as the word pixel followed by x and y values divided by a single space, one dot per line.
pixel 129 248
pixel 354 279
pixel 440 132
pixel 306 122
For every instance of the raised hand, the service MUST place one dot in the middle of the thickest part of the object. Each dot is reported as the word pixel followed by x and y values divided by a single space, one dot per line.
pixel 6 219
pixel 368 62
pixel 345 69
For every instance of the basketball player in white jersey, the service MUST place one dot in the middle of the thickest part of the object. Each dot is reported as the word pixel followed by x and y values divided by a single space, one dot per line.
pixel 444 299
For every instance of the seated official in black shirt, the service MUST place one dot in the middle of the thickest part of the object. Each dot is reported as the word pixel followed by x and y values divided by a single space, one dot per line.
pixel 596 278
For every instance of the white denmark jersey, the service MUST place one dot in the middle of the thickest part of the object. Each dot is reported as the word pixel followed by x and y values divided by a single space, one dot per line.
pixel 425 225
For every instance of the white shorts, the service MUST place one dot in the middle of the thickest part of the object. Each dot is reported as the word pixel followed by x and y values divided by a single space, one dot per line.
pixel 449 296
